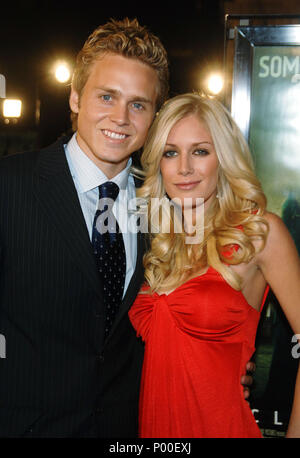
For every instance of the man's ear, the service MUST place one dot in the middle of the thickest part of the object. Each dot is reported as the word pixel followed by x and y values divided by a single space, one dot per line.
pixel 74 101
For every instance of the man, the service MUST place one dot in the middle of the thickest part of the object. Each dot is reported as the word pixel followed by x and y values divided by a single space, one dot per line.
pixel 73 362
pixel 66 372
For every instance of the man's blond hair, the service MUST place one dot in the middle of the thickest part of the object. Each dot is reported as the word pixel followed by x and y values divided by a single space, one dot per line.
pixel 129 39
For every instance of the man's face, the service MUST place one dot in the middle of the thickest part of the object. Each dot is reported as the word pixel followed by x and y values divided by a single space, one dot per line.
pixel 115 110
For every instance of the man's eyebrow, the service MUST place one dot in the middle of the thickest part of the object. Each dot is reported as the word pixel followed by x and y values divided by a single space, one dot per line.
pixel 107 89
pixel 141 99
pixel 133 98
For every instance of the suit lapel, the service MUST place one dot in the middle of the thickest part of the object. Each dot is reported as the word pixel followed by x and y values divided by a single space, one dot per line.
pixel 57 195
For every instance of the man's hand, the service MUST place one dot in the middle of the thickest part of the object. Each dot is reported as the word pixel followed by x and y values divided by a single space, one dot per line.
pixel 247 380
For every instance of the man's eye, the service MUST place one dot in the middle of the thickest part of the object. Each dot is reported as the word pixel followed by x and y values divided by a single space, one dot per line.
pixel 138 106
pixel 106 97
pixel 170 153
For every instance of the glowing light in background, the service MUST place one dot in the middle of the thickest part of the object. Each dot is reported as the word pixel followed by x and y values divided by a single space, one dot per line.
pixel 12 108
pixel 62 72
pixel 215 83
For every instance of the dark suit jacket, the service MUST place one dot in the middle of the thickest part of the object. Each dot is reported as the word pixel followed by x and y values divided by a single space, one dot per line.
pixel 59 377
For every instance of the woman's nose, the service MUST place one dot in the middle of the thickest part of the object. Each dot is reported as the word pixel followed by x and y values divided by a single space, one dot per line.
pixel 185 165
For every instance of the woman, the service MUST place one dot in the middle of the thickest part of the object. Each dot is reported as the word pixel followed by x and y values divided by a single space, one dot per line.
pixel 199 309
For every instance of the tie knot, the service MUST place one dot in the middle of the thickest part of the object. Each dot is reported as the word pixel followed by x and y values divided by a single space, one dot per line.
pixel 108 190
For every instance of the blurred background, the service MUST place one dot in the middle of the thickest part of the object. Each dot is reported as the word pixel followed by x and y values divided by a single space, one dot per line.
pixel 37 35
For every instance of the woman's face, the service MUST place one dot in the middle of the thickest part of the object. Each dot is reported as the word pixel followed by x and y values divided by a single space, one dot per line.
pixel 189 165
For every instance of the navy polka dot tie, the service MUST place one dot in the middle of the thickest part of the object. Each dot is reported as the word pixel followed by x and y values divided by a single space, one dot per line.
pixel 109 250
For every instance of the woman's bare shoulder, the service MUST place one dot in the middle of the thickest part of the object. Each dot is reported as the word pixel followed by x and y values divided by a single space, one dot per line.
pixel 278 239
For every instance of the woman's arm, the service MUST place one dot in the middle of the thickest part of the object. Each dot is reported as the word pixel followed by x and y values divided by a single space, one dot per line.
pixel 280 264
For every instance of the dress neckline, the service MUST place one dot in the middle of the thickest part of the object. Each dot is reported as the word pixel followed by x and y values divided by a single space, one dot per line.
pixel 212 270
pixel 209 268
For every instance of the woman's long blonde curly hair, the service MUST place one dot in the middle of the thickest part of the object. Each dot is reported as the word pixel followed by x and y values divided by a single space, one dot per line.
pixel 240 204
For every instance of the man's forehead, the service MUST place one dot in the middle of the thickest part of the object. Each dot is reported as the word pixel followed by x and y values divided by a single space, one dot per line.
pixel 120 75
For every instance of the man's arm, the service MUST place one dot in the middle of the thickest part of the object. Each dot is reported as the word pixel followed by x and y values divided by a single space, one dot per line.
pixel 247 380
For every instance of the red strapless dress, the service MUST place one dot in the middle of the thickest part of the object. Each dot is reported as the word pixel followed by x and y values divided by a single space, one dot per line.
pixel 198 340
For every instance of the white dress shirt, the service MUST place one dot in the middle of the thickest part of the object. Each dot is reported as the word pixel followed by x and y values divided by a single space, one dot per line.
pixel 87 177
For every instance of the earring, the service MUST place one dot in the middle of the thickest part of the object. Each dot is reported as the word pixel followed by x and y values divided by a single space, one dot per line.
pixel 218 195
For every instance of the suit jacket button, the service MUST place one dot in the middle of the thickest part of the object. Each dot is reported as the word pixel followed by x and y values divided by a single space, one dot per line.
pixel 100 358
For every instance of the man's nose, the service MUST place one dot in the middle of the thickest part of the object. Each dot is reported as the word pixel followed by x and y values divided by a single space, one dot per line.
pixel 119 114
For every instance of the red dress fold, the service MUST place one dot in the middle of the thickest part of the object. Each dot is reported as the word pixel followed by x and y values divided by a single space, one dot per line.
pixel 198 340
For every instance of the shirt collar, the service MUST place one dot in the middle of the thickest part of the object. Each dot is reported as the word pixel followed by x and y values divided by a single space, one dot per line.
pixel 87 174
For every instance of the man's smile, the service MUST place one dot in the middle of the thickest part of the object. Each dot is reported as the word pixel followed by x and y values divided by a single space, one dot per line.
pixel 114 135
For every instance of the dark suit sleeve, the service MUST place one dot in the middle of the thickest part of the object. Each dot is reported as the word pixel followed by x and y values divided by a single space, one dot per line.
pixel 1 254
pixel 1 242
pixel 1 200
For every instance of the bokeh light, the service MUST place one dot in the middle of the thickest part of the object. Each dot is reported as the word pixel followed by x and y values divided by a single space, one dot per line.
pixel 12 108
pixel 62 73
pixel 215 84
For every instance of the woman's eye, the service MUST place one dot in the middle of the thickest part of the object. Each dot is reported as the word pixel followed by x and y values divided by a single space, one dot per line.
pixel 201 152
pixel 169 153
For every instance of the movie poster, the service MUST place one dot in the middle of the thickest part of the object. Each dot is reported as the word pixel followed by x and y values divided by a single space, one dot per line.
pixel 274 137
